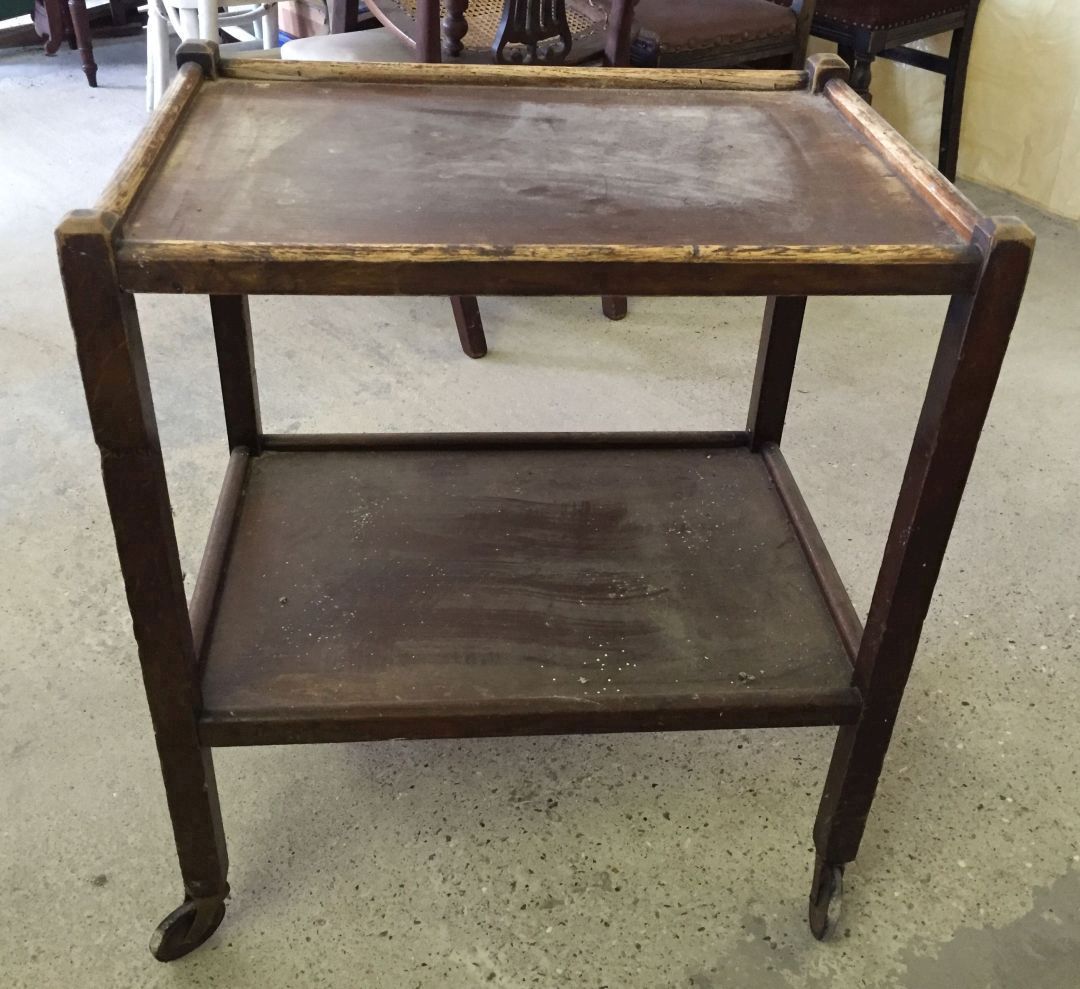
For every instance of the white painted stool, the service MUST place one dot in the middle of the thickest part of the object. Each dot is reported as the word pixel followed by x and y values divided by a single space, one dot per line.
pixel 191 20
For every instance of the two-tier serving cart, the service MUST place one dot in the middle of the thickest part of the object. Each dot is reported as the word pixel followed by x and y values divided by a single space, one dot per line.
pixel 491 568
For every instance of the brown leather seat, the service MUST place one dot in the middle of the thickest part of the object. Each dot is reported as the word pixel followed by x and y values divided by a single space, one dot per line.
pixel 865 30
pixel 713 33
pixel 883 14
pixel 687 25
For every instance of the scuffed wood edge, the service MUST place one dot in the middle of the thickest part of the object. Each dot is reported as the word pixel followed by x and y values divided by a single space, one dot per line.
pixel 823 67
pixel 936 190
pixel 140 253
pixel 212 568
pixel 156 136
pixel 554 77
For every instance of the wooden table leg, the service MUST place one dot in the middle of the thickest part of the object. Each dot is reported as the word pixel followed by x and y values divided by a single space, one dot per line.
pixel 109 347
pixel 470 326
pixel 780 332
pixel 962 381
pixel 614 306
pixel 80 21
pixel 236 368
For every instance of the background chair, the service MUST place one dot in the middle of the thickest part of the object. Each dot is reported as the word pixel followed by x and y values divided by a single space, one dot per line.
pixel 717 34
pixel 524 32
pixel 191 20
pixel 869 29
pixel 57 21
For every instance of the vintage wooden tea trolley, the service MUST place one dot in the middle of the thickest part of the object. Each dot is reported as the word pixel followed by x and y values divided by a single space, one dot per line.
pixel 490 569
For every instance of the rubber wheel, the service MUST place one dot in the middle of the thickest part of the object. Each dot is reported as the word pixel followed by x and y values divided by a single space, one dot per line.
pixel 175 936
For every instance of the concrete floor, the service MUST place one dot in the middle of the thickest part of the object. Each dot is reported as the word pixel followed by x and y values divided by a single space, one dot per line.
pixel 629 861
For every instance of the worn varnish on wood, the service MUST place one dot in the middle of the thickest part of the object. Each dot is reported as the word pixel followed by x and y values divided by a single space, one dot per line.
pixel 615 169
pixel 365 587
pixel 389 592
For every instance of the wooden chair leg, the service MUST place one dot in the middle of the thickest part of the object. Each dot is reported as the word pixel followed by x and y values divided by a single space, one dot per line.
pixel 614 306
pixel 470 327
pixel 860 74
pixel 953 109
pixel 80 21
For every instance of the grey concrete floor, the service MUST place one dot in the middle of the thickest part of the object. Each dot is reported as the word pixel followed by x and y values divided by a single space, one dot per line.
pixel 629 861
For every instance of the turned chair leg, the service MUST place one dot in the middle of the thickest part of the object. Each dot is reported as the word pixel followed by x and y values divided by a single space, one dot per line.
pixel 953 109
pixel 860 63
pixel 614 306
pixel 470 327
pixel 80 22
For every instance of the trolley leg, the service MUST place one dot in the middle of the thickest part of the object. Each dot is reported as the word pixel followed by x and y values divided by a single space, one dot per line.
pixel 469 325
pixel 966 367
pixel 614 306
pixel 780 332
pixel 109 347
pixel 236 368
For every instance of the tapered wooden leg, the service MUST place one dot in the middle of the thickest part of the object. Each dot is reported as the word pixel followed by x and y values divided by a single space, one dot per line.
pixel 80 22
pixel 469 325
pixel 861 70
pixel 109 347
pixel 614 306
pixel 961 384
pixel 952 111
pixel 780 331
pixel 236 368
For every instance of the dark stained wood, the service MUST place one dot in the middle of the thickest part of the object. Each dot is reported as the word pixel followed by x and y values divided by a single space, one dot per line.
pixel 962 382
pixel 236 367
pixel 614 306
pixel 777 351
pixel 454 27
pixel 832 587
pixel 364 587
pixel 109 347
pixel 470 327
pixel 428 41
pixel 921 176
pixel 80 21
pixel 617 42
pixel 561 269
pixel 449 592
pixel 204 596
pixel 861 43
pixel 619 187
pixel 326 442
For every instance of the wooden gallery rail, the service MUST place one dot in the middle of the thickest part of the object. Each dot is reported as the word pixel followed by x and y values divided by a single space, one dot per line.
pixel 469 601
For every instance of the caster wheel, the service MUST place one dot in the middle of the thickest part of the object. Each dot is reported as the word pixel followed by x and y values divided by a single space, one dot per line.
pixel 826 899
pixel 189 925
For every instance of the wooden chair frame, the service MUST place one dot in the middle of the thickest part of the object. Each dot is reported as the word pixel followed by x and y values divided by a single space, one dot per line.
pixel 860 46
pixel 647 50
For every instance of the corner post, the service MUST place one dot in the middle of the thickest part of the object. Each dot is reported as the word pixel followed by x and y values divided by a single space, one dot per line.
pixel 823 67
pixel 110 352
pixel 205 54
pixel 965 371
